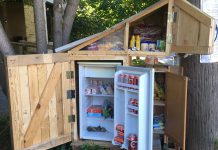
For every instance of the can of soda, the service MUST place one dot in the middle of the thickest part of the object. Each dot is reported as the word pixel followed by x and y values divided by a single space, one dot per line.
pixel 132 138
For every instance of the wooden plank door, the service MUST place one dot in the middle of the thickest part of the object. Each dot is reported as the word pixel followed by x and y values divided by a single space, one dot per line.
pixel 41 100
pixel 176 105
pixel 193 31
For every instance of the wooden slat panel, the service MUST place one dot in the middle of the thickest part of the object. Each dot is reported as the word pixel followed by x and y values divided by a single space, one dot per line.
pixel 42 79
pixel 176 105
pixel 34 95
pixel 43 104
pixel 15 106
pixel 25 99
pixel 73 106
pixel 66 102
pixel 36 59
pixel 59 107
pixel 52 111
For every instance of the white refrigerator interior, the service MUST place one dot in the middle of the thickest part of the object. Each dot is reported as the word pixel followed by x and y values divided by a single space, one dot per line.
pixel 96 100
pixel 133 108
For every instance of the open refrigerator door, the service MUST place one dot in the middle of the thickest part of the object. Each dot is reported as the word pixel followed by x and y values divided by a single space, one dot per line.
pixel 133 108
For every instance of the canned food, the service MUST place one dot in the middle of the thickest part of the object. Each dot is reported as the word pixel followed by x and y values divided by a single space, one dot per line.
pixel 126 78
pixel 132 138
pixel 131 79
pixel 121 134
pixel 119 139
pixel 136 80
pixel 120 128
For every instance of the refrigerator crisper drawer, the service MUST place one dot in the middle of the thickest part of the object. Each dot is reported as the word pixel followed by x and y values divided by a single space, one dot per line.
pixel 96 100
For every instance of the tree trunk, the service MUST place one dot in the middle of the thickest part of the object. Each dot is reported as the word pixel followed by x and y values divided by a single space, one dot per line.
pixel 40 26
pixel 58 20
pixel 202 115
pixel 5 46
pixel 69 16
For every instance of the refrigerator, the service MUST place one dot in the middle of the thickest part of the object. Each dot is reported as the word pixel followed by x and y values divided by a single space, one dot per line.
pixel 116 104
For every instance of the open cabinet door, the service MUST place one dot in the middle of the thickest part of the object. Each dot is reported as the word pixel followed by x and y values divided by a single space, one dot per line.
pixel 176 104
pixel 41 90
pixel 193 31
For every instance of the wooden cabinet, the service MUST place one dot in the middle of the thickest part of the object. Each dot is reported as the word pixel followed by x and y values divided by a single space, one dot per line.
pixel 183 27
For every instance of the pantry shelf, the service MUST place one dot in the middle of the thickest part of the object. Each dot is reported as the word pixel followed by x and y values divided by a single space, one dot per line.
pixel 100 118
pixel 159 103
pixel 158 131
pixel 133 107
pixel 129 90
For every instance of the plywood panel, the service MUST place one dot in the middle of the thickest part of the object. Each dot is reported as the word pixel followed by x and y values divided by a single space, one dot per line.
pixel 15 105
pixel 25 101
pixel 34 95
pixel 52 110
pixel 176 105
pixel 66 102
pixel 42 78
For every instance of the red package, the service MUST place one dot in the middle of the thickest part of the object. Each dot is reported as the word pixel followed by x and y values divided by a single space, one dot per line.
pixel 119 139
pixel 95 109
pixel 120 127
pixel 121 134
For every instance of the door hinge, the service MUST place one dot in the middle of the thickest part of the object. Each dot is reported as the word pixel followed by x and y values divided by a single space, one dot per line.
pixel 70 94
pixel 71 118
pixel 169 38
pixel 69 74
pixel 172 17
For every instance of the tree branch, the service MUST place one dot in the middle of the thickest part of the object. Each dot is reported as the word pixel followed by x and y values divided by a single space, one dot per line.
pixel 68 19
pixel 40 26
pixel 5 46
pixel 58 20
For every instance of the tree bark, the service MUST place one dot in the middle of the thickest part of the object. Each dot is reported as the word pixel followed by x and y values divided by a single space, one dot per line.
pixel 68 19
pixel 58 20
pixel 202 115
pixel 40 26
pixel 5 46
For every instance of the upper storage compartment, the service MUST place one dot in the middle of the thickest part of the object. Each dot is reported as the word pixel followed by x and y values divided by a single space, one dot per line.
pixel 192 30
pixel 165 27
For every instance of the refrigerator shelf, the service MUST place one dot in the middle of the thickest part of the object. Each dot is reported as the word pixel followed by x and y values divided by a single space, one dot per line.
pixel 99 95
pixel 129 90
pixel 136 115
pixel 128 86
pixel 133 107
pixel 100 118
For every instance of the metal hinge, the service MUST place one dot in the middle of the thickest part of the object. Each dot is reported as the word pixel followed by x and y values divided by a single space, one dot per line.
pixel 70 74
pixel 70 94
pixel 71 118
pixel 169 38
pixel 172 17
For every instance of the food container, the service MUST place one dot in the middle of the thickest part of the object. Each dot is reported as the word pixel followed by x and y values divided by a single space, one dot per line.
pixel 119 139
pixel 132 138
pixel 126 78
pixel 145 45
pixel 121 134
pixel 136 80
pixel 131 79
pixel 120 128
pixel 152 46
pixel 161 45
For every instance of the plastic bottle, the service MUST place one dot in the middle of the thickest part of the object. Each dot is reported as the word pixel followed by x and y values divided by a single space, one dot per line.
pixel 138 41
pixel 132 42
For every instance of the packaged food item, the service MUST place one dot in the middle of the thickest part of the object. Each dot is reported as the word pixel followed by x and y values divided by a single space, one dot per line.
pixel 145 45
pixel 138 61
pixel 95 111
pixel 119 139
pixel 131 79
pixel 152 46
pixel 132 42
pixel 138 41
pixel 96 129
pixel 161 45
pixel 136 80
pixel 133 140
pixel 120 127
pixel 121 134
pixel 151 60
pixel 133 102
